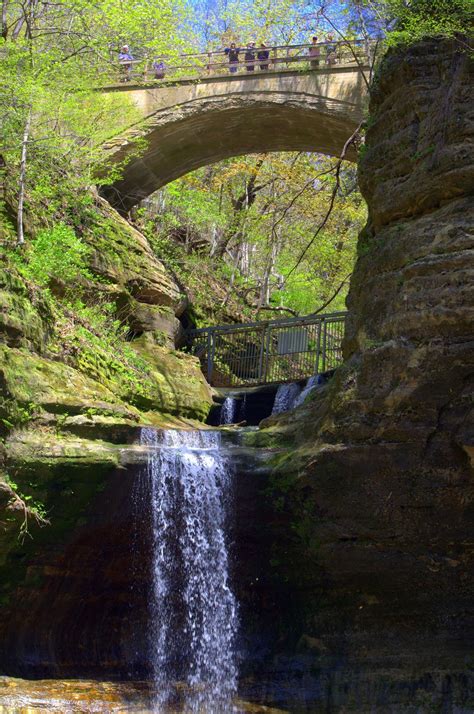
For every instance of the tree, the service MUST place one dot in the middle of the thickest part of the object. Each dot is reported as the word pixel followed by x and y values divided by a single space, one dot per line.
pixel 255 216
pixel 53 57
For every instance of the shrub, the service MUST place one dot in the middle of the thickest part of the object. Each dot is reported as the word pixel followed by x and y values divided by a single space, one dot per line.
pixel 57 252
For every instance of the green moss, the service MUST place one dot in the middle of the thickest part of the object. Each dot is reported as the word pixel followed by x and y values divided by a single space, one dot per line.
pixel 25 315
pixel 177 382
pixel 55 387
pixel 271 438
pixel 39 455
pixel 121 254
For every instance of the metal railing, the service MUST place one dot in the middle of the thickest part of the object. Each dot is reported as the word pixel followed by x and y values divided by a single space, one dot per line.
pixel 259 353
pixel 216 63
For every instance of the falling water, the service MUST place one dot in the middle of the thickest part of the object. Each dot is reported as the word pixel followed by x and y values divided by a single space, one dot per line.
pixel 228 411
pixel 193 611
pixel 285 397
pixel 309 387
pixel 290 396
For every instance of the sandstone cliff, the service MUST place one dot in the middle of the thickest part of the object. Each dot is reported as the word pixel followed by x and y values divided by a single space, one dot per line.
pixel 70 401
pixel 380 496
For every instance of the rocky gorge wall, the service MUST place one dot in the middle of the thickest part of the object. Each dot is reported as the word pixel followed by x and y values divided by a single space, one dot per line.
pixel 374 510
pixel 71 403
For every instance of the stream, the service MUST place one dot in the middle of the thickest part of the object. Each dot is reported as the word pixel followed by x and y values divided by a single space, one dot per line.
pixel 20 696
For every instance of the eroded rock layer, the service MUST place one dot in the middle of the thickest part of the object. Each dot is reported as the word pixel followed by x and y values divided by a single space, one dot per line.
pixel 380 500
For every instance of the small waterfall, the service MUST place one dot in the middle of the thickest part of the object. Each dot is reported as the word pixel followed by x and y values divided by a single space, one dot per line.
pixel 193 612
pixel 309 387
pixel 290 396
pixel 285 397
pixel 228 411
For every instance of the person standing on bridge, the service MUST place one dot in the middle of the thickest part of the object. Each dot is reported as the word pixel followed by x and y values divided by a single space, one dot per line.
pixel 262 55
pixel 233 53
pixel 159 69
pixel 330 50
pixel 125 61
pixel 315 53
pixel 250 57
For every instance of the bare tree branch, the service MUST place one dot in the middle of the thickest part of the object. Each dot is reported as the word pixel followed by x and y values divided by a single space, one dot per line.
pixel 278 308
pixel 346 146
pixel 334 295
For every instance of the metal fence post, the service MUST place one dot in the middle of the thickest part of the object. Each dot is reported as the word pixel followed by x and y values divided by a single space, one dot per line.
pixel 318 349
pixel 267 351
pixel 324 344
pixel 210 355
pixel 262 350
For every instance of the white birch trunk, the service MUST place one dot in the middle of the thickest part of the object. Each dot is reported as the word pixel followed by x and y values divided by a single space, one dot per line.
pixel 21 183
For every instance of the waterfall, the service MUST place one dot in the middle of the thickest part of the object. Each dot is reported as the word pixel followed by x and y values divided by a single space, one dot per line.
pixel 309 387
pixel 228 411
pixel 285 397
pixel 290 396
pixel 193 612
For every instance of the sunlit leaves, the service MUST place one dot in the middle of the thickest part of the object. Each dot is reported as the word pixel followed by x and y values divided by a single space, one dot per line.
pixel 53 58
pixel 292 196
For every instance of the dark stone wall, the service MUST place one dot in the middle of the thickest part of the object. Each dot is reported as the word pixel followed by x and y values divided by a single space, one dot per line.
pixel 81 607
pixel 378 495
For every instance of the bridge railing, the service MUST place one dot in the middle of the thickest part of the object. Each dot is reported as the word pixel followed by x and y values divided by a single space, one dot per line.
pixel 216 63
pixel 259 353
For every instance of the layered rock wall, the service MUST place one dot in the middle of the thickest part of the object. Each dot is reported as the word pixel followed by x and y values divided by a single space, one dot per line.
pixel 72 401
pixel 379 495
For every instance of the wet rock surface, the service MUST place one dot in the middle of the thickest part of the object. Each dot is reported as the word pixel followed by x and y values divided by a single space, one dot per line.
pixel 378 496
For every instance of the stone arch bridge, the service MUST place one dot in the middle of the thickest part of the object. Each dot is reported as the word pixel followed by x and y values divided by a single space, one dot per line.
pixel 194 122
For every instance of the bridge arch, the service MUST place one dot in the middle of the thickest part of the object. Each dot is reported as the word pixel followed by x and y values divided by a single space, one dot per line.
pixel 187 125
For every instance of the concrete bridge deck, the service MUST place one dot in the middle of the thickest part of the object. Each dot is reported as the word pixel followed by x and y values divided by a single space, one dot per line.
pixel 190 123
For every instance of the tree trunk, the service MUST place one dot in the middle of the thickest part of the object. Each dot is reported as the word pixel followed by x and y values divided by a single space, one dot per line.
pixel 243 203
pixel 21 183
pixel 5 19
pixel 264 298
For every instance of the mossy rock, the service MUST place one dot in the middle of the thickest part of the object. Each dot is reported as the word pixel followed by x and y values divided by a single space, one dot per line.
pixel 178 383
pixel 122 255
pixel 30 380
pixel 25 319
pixel 40 454
pixel 148 375
pixel 157 319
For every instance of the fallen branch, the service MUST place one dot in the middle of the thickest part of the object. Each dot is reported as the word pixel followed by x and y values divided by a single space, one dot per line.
pixel 279 308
